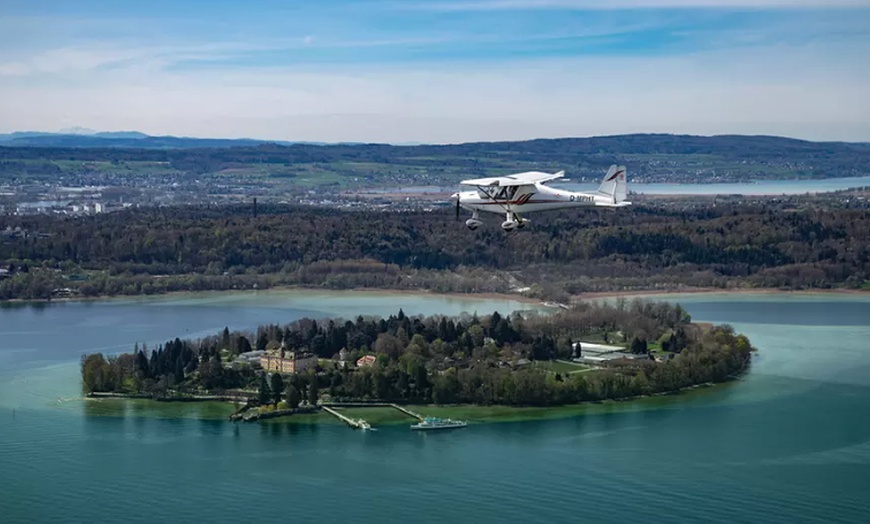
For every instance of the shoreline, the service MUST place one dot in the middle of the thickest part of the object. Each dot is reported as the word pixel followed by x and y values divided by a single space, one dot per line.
pixel 719 291
pixel 488 295
pixel 485 413
pixel 472 413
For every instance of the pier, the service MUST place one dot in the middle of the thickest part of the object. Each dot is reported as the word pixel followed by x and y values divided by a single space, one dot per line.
pixel 359 424
pixel 408 412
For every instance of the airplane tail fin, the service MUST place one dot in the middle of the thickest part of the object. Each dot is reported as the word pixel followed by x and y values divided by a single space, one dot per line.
pixel 614 184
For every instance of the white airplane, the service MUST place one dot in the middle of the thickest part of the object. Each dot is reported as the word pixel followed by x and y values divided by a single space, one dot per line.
pixel 526 192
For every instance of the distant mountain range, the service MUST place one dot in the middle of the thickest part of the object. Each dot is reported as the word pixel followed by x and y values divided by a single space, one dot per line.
pixel 81 137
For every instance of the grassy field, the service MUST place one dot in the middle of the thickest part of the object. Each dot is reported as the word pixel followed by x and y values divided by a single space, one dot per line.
pixel 125 167
pixel 560 367
pixel 378 415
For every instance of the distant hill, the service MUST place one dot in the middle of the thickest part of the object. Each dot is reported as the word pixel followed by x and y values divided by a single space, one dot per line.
pixel 615 144
pixel 650 157
pixel 122 139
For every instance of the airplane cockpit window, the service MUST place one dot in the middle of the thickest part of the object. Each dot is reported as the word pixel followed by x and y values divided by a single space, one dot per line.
pixel 506 193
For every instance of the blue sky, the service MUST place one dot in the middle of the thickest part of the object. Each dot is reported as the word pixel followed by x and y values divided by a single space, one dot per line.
pixel 437 71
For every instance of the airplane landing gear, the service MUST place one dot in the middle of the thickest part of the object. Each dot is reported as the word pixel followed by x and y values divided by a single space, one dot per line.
pixel 474 222
pixel 513 221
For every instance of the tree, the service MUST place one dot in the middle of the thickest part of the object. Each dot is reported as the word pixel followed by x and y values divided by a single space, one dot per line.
pixel 179 370
pixel 262 340
pixel 313 392
pixel 292 396
pixel 94 372
pixel 638 346
pixel 277 385
pixel 243 345
pixel 264 392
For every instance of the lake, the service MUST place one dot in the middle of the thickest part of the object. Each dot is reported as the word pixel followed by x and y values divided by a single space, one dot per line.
pixel 758 187
pixel 790 442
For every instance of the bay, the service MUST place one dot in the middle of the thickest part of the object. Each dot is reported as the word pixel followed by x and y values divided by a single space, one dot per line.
pixel 790 442
pixel 752 188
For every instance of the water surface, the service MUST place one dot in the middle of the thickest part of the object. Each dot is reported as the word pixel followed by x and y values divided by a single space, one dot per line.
pixel 757 187
pixel 788 443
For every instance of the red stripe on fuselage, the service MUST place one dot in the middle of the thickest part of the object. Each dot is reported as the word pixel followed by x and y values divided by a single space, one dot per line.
pixel 517 203
pixel 614 175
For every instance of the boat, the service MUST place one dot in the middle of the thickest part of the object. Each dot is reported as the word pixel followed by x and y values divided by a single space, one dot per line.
pixel 439 423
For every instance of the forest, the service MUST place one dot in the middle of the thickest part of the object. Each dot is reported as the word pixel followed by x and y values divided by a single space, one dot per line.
pixel 149 251
pixel 492 359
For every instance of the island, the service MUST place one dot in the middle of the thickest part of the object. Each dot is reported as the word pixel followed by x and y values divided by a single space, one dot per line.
pixel 593 351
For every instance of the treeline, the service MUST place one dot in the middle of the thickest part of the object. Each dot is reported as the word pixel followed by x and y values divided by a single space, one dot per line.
pixel 177 365
pixel 643 247
pixel 482 360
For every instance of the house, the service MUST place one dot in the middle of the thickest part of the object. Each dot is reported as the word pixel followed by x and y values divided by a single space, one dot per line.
pixel 283 361
pixel 365 360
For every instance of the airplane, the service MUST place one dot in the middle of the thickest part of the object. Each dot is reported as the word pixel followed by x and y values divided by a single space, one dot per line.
pixel 526 192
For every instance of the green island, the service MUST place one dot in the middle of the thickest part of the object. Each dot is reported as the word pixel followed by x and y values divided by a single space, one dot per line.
pixel 523 366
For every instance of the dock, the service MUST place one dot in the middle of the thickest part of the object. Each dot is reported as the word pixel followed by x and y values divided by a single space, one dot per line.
pixel 359 424
pixel 408 412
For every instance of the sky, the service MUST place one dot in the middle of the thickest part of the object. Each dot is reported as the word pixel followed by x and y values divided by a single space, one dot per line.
pixel 437 71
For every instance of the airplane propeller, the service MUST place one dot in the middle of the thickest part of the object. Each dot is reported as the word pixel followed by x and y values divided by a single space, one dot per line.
pixel 456 196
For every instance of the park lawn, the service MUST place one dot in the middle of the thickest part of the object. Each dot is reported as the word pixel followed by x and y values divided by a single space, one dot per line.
pixel 554 366
pixel 377 415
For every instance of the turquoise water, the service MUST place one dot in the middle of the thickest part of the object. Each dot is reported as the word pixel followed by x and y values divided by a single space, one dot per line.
pixel 788 443
pixel 758 187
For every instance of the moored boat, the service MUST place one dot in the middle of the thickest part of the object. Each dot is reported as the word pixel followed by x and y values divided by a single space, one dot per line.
pixel 439 423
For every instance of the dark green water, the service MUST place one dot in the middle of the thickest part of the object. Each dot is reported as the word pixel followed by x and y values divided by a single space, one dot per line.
pixel 789 443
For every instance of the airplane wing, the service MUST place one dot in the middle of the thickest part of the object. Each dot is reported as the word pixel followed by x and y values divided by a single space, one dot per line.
pixel 518 179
